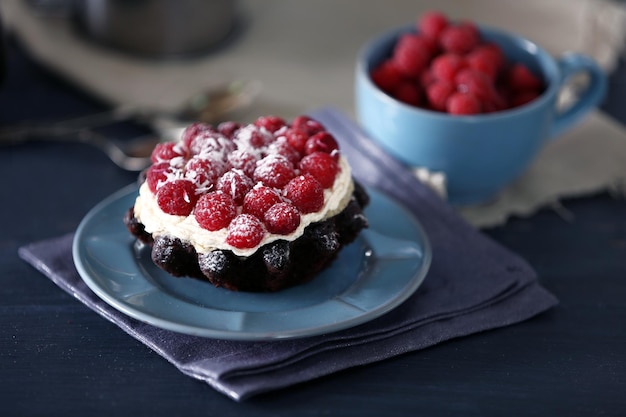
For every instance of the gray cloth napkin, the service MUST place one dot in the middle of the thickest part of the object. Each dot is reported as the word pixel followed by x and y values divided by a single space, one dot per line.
pixel 473 285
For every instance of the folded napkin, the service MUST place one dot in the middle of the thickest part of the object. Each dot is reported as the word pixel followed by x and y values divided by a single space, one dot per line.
pixel 473 285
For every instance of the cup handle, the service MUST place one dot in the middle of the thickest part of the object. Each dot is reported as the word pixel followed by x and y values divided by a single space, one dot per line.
pixel 571 64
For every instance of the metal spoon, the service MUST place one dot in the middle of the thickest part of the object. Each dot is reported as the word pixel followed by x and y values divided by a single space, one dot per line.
pixel 209 107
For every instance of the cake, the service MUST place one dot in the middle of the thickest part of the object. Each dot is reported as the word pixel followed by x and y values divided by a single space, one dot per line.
pixel 248 207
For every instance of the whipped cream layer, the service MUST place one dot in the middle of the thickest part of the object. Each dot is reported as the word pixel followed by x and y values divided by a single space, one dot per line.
pixel 186 228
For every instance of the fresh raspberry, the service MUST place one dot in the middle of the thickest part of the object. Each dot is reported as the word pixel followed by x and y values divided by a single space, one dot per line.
pixel 258 138
pixel 244 160
pixel 306 193
pixel 471 29
pixel 459 39
pixel 445 67
pixel 321 142
pixel 259 200
pixel 307 124
pixel 236 184
pixel 214 210
pixel 438 93
pixel 228 129
pixel 432 23
pixel 193 130
pixel 274 171
pixel 245 231
pixel 322 166
pixel 475 82
pixel 410 59
pixel 521 78
pixel 417 41
pixel 157 175
pixel 297 138
pixel 426 78
pixel 204 172
pixel 495 52
pixel 211 145
pixel 463 104
pixel 270 123
pixel 487 59
pixel 386 76
pixel 409 93
pixel 281 147
pixel 165 152
pixel 282 218
pixel 177 197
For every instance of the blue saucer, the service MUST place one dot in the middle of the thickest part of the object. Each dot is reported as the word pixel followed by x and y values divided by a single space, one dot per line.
pixel 370 277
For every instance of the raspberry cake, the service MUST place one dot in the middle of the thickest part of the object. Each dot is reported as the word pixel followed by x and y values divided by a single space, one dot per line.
pixel 256 207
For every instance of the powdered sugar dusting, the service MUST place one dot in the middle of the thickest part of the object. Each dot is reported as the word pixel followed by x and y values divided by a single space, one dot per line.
pixel 233 161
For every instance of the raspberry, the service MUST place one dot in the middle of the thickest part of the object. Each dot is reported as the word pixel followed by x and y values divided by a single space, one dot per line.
pixel 204 172
pixel 495 53
pixel 415 41
pixel 193 130
pixel 408 93
pixel 463 104
pixel 245 231
pixel 274 171
pixel 471 29
pixel 258 139
pixel 214 210
pixel 306 124
pixel 297 138
pixel 167 151
pixel 438 93
pixel 270 123
pixel 236 184
pixel 432 23
pixel 213 145
pixel 322 166
pixel 410 59
pixel 386 76
pixel 259 200
pixel 427 78
pixel 157 175
pixel 228 129
pixel 282 218
pixel 283 148
pixel 476 83
pixel 445 67
pixel 459 39
pixel 486 60
pixel 321 142
pixel 521 78
pixel 243 160
pixel 177 197
pixel 306 193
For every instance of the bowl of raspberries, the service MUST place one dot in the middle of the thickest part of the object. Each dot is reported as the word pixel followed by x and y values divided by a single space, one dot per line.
pixel 473 102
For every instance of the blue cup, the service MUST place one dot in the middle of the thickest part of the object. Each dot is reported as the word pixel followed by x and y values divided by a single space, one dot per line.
pixel 479 154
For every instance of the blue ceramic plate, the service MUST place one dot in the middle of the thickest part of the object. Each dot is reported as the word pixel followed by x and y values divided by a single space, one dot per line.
pixel 370 277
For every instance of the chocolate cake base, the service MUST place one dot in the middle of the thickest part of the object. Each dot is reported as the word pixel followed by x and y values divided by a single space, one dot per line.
pixel 275 266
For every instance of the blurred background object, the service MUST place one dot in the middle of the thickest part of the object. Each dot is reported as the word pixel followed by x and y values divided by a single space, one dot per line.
pixel 603 34
pixel 158 28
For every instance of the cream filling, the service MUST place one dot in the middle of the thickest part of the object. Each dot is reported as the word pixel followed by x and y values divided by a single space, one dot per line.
pixel 186 228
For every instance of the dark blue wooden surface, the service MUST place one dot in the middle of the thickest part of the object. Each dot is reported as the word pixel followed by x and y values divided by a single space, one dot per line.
pixel 59 358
